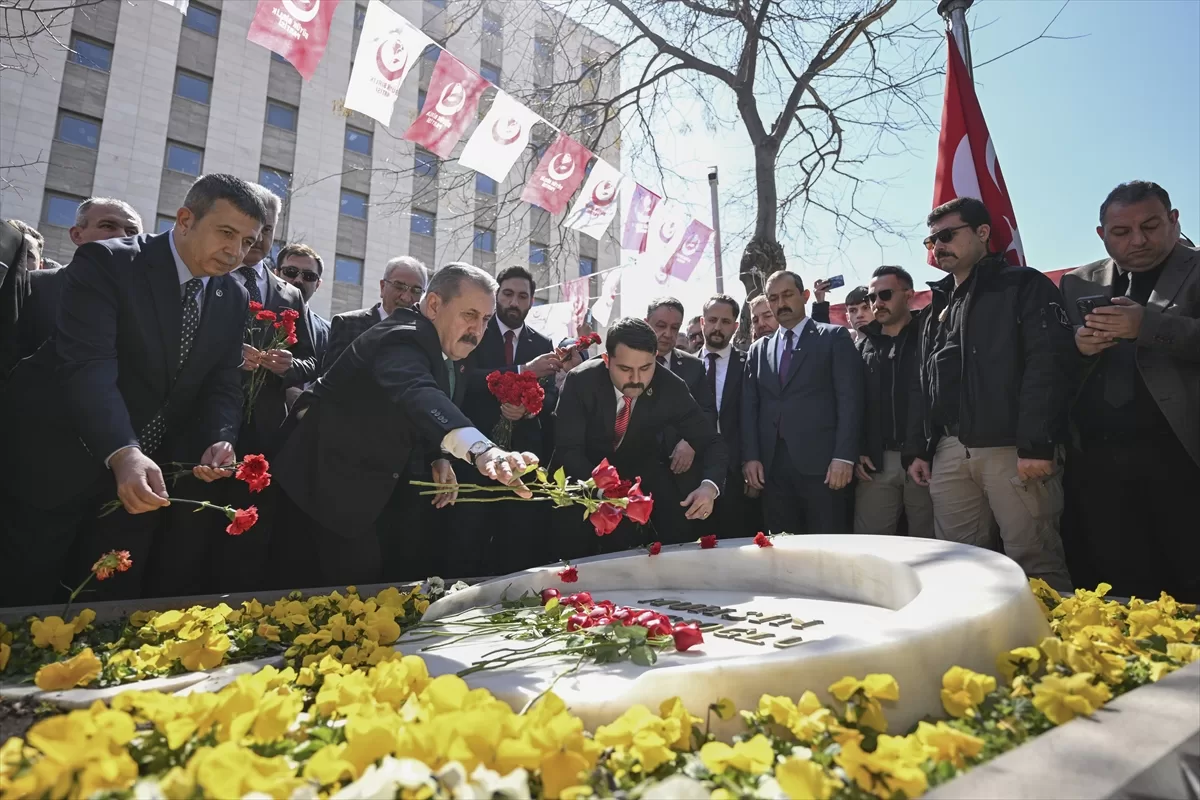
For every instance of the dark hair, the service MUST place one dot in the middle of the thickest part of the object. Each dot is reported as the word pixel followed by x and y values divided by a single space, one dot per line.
pixel 208 189
pixel 1134 192
pixel 900 272
pixel 857 296
pixel 724 298
pixel 668 302
pixel 634 333
pixel 517 272
pixel 298 249
pixel 972 210
pixel 774 276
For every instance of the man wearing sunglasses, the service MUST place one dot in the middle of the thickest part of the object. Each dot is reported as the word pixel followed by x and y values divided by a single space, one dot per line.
pixel 890 359
pixel 301 266
pixel 997 362
pixel 403 283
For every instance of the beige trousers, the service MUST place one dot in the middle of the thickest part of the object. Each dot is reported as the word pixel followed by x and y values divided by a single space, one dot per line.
pixel 879 501
pixel 973 486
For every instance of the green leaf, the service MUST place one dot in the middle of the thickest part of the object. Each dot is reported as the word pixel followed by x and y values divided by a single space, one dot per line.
pixel 560 477
pixel 541 475
pixel 643 656
pixel 1154 642
pixel 637 633
pixel 608 653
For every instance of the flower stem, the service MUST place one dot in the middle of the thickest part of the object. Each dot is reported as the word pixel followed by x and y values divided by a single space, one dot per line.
pixel 74 594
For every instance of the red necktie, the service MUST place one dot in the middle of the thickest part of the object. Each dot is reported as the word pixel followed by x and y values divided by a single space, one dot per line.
pixel 622 421
pixel 509 353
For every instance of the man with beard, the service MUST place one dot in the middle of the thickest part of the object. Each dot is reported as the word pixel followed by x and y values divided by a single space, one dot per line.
pixel 997 363
pixel 403 283
pixel 724 366
pixel 508 345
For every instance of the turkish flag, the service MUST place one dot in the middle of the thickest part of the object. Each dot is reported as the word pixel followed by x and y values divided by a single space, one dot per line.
pixel 967 164
pixel 296 29
pixel 557 175
pixel 450 103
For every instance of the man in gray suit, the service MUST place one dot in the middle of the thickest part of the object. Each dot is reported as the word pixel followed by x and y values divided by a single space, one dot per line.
pixel 802 412
pixel 1135 451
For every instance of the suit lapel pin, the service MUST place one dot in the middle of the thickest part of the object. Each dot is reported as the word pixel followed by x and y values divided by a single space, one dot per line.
pixel 220 293
pixel 649 391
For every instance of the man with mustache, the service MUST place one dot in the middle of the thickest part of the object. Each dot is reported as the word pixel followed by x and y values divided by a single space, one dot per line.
pixel 352 437
pixel 997 362
pixel 611 408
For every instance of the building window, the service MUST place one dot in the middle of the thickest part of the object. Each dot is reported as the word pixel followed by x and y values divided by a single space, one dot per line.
pixel 60 210
pixel 163 224
pixel 484 184
pixel 358 141
pixel 348 270
pixel 431 53
pixel 281 116
pixel 587 266
pixel 493 25
pixel 354 204
pixel 423 223
pixel 279 58
pixel 537 254
pixel 277 181
pixel 421 95
pixel 181 158
pixel 543 49
pixel 485 240
pixel 490 71
pixel 79 130
pixel 193 87
pixel 437 3
pixel 90 53
pixel 589 118
pixel 360 16
pixel 202 19
pixel 425 163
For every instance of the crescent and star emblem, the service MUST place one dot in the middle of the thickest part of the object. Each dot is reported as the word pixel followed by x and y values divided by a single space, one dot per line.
pixel 302 10
pixel 452 100
pixel 561 166
pixel 506 133
pixel 391 57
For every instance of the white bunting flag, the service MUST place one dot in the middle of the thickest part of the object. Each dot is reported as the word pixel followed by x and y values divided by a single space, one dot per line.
pixel 597 202
pixel 179 5
pixel 667 224
pixel 603 307
pixel 388 48
pixel 500 138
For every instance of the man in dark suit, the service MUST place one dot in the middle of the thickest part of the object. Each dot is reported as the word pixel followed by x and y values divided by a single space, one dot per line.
pixel 724 367
pixel 802 409
pixel 612 408
pixel 1134 458
pixel 96 219
pixel 302 267
pixel 508 345
pixel 143 369
pixel 384 401
pixel 14 289
pixel 403 283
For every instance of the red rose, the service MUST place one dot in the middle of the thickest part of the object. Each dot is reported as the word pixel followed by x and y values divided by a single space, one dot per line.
pixel 583 598
pixel 265 316
pixel 605 476
pixel 241 520
pixel 762 540
pixel 577 621
pixel 655 548
pixel 605 519
pixel 708 542
pixel 568 575
pixel 640 505
pixel 686 636
pixel 255 306
pixel 548 595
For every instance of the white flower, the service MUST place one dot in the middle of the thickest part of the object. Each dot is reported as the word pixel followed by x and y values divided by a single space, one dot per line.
pixel 513 786
pixel 148 789
pixel 383 780
pixel 677 787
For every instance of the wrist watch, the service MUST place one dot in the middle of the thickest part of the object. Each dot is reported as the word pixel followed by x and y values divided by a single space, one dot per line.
pixel 479 448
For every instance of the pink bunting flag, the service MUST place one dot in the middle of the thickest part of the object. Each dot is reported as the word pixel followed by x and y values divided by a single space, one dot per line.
pixel 295 29
pixel 450 103
pixel 691 249
pixel 557 175
pixel 637 219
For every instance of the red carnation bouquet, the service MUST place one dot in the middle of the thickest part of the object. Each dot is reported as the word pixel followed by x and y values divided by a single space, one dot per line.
pixel 267 331
pixel 517 389
pixel 582 343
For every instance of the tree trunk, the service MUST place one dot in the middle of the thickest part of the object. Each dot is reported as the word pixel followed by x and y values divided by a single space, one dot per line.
pixel 763 254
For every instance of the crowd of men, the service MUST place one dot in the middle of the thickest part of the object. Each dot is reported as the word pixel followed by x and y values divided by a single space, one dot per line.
pixel 1059 424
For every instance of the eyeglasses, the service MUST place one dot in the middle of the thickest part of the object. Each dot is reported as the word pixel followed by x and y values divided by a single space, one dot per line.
pixel 402 288
pixel 944 236
pixel 293 272
pixel 882 294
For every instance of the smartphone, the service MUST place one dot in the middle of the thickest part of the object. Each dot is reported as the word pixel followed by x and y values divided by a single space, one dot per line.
pixel 836 282
pixel 1087 305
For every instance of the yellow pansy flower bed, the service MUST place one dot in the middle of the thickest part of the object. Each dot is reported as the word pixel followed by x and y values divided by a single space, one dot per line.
pixel 351 717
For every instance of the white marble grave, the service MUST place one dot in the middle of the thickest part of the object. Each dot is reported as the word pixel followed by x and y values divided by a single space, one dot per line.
pixel 906 606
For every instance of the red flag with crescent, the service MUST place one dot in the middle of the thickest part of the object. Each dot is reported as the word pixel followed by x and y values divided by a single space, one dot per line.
pixel 557 175
pixel 450 103
pixel 295 29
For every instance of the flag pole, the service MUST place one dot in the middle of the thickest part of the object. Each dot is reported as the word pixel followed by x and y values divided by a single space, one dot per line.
pixel 716 218
pixel 955 13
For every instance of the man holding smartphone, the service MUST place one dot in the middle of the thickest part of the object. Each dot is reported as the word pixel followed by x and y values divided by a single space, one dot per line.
pixel 1135 452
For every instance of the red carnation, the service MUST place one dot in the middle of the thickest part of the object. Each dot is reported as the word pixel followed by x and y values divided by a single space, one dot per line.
pixel 605 476
pixel 291 339
pixel 686 636
pixel 265 316
pixel 568 575
pixel 112 562
pixel 289 314
pixel 253 470
pixel 241 520
pixel 255 305
pixel 708 542
pixel 655 548
pixel 762 540
pixel 640 505
pixel 605 519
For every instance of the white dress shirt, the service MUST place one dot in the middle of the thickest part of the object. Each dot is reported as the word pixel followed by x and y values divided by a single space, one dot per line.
pixel 260 277
pixel 722 370
pixel 382 314
pixel 516 332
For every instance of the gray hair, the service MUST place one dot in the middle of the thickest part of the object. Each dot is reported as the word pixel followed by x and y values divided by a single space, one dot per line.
pixel 271 201
pixel 411 263
pixel 447 281
pixel 92 202
pixel 242 195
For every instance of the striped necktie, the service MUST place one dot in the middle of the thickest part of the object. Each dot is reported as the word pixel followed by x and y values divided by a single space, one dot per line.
pixel 622 424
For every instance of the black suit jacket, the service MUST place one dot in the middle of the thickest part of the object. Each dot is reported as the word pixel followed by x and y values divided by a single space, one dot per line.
pixel 318 326
pixel 484 409
pixel 114 364
pixel 587 412
pixel 344 329
pixel 691 370
pixel 730 415
pixel 14 289
pixel 40 310
pixel 386 399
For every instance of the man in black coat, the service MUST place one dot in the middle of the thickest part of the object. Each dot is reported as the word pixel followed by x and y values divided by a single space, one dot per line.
pixel 613 408
pixel 402 285
pixel 143 369
pixel 386 400
pixel 724 368
pixel 14 289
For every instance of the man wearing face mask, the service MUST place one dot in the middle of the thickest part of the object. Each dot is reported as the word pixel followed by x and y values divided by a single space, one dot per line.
pixel 402 286
pixel 386 398
pixel 989 414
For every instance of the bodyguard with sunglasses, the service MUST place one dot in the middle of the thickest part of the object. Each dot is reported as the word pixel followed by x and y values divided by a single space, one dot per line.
pixel 301 266
pixel 997 361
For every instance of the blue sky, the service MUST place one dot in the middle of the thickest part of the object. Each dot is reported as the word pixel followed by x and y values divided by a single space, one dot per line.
pixel 1069 120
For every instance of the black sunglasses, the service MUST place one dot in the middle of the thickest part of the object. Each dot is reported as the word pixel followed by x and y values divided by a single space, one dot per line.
pixel 292 272
pixel 944 236
pixel 882 294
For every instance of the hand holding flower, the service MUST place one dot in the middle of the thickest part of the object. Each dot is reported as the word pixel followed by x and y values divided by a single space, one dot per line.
pixel 215 462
